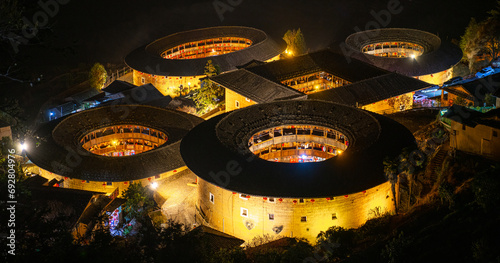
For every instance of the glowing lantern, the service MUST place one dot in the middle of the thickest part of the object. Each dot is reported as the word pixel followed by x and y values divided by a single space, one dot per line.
pixel 294 201
pixel 312 200
pixel 280 200
pixel 346 196
pixel 265 198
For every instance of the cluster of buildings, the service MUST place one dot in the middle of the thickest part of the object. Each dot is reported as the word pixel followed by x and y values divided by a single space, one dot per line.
pixel 299 149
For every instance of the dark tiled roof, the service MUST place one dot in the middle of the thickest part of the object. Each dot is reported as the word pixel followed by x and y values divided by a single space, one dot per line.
pixel 455 91
pixel 141 95
pixel 162 102
pixel 371 90
pixel 59 150
pixel 215 239
pixel 472 118
pixel 325 60
pixel 118 86
pixel 221 140
pixel 480 87
pixel 255 87
pixel 148 58
pixel 72 199
pixel 83 95
pixel 99 97
pixel 437 56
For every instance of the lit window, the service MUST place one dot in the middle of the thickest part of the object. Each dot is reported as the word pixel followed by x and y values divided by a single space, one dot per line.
pixel 212 198
pixel 143 80
pixel 244 212
pixel 237 104
pixel 271 217
pixel 303 219
pixel 271 200
pixel 334 216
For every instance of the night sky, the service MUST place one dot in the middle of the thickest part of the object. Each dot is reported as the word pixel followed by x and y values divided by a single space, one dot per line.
pixel 106 31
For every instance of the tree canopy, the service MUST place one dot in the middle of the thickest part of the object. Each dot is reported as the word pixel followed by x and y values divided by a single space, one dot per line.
pixel 482 38
pixel 97 76
pixel 210 95
pixel 296 44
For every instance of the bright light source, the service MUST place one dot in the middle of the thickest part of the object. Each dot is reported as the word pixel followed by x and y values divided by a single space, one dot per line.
pixel 24 146
pixel 51 114
pixel 303 156
pixel 189 83
pixel 339 151
pixel 114 142
pixel 213 50
pixel 412 56
pixel 154 185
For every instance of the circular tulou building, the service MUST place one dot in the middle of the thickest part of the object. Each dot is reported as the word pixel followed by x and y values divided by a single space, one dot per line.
pixel 106 148
pixel 174 64
pixel 409 52
pixel 292 168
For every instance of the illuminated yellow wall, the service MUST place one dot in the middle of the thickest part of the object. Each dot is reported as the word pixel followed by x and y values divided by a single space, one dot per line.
pixel 351 211
pixel 437 78
pixel 391 105
pixel 168 85
pixel 479 140
pixel 97 186
pixel 233 97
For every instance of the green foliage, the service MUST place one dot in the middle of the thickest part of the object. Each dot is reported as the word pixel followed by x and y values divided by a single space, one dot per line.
pixel 461 69
pixel 397 249
pixel 469 42
pixel 374 227
pixel 139 203
pixel 446 194
pixel 298 252
pixel 336 242
pixel 481 38
pixel 486 187
pixel 296 44
pixel 459 101
pixel 235 255
pixel 97 76
pixel 210 95
pixel 489 99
